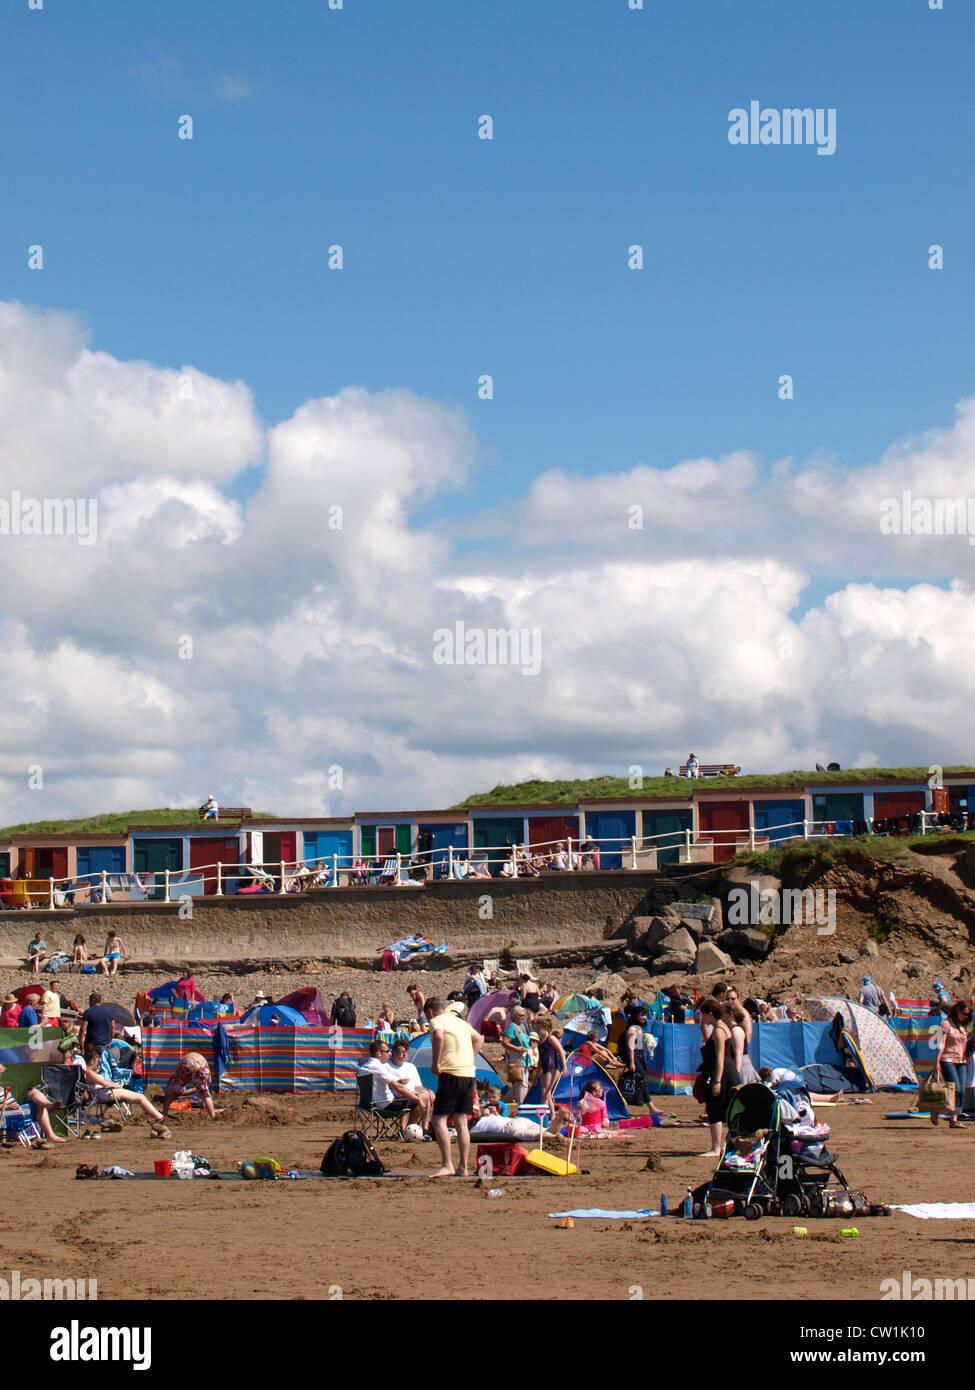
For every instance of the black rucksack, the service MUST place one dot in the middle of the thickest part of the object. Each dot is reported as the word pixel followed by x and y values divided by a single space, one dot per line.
pixel 345 1014
pixel 352 1156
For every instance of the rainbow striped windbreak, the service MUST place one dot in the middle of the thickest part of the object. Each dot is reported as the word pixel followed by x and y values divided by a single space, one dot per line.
pixel 263 1059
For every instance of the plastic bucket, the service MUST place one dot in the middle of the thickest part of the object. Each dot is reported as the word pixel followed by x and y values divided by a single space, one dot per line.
pixel 163 1167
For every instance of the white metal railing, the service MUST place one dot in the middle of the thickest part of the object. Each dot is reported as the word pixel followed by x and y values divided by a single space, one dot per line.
pixel 568 854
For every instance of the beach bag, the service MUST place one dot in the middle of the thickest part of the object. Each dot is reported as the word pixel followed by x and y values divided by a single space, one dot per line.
pixel 937 1096
pixel 352 1156
pixel 700 1089
pixel 632 1088
pixel 500 1161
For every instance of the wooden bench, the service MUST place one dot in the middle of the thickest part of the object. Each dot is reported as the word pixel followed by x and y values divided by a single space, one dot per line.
pixel 712 770
pixel 232 813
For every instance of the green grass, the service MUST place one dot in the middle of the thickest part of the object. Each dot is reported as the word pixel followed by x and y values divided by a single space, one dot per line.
pixel 570 792
pixel 109 823
pixel 797 863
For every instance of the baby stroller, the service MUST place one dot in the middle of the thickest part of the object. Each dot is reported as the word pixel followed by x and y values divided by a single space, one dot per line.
pixel 771 1165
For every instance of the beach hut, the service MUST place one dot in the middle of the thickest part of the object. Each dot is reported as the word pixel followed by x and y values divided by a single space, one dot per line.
pixel 613 832
pixel 665 830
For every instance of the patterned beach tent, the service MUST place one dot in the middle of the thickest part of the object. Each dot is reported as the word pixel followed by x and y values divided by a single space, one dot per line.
pixel 884 1057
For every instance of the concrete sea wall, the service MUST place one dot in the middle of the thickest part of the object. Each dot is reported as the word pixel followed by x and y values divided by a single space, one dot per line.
pixel 525 915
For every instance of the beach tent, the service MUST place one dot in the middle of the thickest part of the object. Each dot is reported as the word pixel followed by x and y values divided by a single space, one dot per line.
pixel 826 1080
pixel 483 1006
pixel 419 1055
pixel 264 1013
pixel 309 1004
pixel 884 1058
pixel 581 1069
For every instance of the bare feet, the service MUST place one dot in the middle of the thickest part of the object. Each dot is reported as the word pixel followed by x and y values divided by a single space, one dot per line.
pixel 461 1173
pixel 711 1153
pixel 444 1173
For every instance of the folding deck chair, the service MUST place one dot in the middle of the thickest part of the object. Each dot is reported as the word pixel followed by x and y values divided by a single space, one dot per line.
pixel 374 1120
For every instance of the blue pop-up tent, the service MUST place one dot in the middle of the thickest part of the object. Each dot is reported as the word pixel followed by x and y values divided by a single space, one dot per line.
pixel 420 1057
pixel 571 1084
pixel 265 1014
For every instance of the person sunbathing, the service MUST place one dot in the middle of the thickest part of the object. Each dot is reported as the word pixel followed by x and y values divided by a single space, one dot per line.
pixel 606 1059
pixel 114 952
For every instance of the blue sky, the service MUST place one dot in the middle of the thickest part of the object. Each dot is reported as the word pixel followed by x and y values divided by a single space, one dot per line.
pixel 761 616
pixel 465 256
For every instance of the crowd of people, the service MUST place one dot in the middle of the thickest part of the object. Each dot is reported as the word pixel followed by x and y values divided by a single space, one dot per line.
pixel 520 1023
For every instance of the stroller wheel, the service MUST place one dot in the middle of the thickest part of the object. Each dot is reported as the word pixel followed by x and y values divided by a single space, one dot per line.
pixel 791 1205
pixel 752 1211
pixel 804 1204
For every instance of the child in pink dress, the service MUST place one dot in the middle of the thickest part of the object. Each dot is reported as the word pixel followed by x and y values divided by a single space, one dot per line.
pixel 593 1115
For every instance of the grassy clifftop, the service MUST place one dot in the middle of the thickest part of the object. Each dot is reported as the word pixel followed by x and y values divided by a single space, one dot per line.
pixel 109 823
pixel 619 788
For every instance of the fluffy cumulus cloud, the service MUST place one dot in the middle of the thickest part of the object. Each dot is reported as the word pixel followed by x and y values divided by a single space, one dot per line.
pixel 317 648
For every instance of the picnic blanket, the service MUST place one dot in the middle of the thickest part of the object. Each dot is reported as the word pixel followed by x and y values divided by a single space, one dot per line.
pixel 944 1211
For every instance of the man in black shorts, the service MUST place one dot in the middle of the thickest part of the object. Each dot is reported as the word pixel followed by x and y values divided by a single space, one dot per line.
pixel 454 1046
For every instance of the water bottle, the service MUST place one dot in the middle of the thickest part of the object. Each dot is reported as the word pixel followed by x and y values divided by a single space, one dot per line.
pixel 663 1204
pixel 688 1204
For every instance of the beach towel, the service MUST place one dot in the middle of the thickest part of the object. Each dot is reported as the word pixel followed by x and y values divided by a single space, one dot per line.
pixel 945 1211
pixel 598 1212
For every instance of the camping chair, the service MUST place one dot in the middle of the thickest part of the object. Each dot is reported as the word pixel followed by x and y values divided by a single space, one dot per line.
pixel 374 1121
pixel 389 872
pixel 523 967
pixel 18 1123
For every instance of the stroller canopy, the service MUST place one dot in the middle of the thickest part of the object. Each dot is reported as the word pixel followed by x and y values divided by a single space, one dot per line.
pixel 751 1108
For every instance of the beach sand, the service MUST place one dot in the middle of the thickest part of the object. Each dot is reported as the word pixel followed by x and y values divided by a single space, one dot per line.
pixel 419 1238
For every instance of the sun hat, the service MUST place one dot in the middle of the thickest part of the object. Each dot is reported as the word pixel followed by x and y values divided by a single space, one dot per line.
pixel 260 995
pixel 10 999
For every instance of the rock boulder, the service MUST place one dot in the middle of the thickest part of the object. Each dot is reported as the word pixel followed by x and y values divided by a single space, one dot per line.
pixel 710 958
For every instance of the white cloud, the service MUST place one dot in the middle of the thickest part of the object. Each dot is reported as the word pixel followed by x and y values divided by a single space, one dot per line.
pixel 312 644
pixel 234 87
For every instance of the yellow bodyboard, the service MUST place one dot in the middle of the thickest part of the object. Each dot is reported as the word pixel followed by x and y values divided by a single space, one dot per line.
pixel 549 1163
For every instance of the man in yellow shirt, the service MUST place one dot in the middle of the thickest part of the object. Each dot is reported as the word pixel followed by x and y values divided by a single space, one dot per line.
pixel 454 1046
